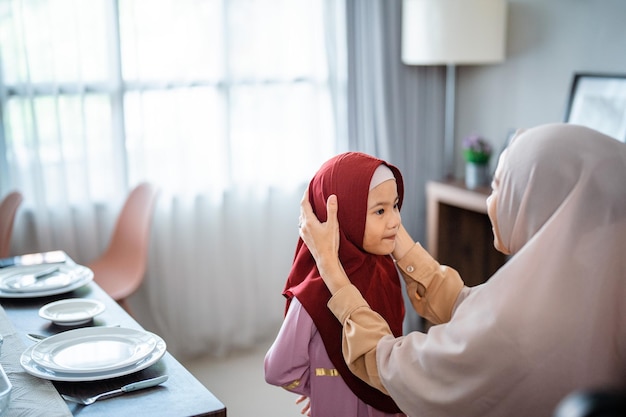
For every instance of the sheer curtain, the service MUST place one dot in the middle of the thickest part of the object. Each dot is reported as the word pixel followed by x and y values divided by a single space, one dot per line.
pixel 395 111
pixel 228 106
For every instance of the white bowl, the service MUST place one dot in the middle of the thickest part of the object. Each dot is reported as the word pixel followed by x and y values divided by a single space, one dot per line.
pixel 71 311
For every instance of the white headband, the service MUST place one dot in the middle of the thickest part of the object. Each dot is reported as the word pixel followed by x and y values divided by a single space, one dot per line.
pixel 382 174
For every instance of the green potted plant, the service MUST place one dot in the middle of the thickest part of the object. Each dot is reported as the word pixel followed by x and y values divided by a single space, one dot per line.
pixel 477 153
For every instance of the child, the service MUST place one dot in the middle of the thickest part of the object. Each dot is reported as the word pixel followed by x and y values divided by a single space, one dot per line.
pixel 306 356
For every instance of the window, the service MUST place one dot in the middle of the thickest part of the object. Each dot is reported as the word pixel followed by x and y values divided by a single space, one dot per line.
pixel 195 95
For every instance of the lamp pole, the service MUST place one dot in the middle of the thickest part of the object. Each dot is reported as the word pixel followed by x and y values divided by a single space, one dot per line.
pixel 450 104
pixel 451 33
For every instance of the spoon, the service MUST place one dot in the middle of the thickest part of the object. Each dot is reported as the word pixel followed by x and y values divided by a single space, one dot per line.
pixel 147 383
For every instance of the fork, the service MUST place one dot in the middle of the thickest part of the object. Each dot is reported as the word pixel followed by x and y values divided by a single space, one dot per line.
pixel 147 383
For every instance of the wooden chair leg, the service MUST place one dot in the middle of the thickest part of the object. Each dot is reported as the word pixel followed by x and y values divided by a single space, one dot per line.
pixel 124 304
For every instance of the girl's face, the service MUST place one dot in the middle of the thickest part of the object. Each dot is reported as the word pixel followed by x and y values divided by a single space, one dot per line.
pixel 383 219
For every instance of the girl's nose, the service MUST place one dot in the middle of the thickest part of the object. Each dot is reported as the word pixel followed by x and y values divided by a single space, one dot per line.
pixel 395 220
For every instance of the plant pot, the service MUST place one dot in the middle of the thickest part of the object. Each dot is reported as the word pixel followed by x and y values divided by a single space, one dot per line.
pixel 476 175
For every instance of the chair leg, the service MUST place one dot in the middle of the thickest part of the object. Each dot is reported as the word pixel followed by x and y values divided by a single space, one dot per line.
pixel 124 304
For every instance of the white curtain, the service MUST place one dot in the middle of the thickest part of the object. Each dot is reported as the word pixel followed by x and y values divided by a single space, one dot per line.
pixel 395 110
pixel 228 106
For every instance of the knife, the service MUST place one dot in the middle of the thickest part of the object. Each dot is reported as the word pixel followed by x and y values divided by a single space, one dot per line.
pixel 38 337
pixel 29 279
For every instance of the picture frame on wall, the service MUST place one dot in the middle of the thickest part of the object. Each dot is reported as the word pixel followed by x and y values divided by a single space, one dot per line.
pixel 598 101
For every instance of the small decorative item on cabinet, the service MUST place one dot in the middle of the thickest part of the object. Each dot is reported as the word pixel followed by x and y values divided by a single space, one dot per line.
pixel 477 152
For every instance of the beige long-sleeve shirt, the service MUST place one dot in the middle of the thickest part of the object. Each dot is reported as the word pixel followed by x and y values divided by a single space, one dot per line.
pixel 439 287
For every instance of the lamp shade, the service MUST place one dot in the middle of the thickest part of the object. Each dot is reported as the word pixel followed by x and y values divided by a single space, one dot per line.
pixel 443 32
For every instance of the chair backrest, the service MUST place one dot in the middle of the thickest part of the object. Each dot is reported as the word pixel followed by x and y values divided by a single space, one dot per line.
pixel 124 260
pixel 8 208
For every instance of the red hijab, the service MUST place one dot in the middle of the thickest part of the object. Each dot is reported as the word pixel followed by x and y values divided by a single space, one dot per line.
pixel 348 176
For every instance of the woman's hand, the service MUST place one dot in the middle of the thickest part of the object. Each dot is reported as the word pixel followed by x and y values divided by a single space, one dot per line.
pixel 322 239
pixel 404 243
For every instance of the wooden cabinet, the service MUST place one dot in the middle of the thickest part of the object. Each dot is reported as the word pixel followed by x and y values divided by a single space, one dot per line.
pixel 459 232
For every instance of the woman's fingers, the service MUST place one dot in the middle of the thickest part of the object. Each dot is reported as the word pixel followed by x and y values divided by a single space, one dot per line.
pixel 306 210
pixel 331 210
pixel 320 238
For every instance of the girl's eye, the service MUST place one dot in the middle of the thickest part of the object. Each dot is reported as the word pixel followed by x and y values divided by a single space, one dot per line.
pixel 381 211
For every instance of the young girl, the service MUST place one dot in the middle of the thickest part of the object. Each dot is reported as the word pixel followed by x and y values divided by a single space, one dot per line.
pixel 306 356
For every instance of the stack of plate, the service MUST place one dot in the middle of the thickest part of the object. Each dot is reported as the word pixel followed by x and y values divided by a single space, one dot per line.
pixel 93 353
pixel 29 281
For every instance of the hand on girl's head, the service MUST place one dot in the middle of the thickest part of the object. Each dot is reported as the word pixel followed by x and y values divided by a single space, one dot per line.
pixel 320 238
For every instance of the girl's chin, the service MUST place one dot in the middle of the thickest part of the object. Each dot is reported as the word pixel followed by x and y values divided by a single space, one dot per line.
pixel 383 249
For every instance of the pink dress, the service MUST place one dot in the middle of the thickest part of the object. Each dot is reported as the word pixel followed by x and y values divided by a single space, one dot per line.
pixel 298 362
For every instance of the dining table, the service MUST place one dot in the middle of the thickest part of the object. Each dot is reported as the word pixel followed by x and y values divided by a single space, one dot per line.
pixel 180 395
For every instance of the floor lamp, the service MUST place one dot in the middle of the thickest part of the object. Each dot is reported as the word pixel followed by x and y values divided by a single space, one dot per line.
pixel 451 33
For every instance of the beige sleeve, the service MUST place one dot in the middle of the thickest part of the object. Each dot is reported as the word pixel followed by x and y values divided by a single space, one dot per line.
pixel 362 329
pixel 432 288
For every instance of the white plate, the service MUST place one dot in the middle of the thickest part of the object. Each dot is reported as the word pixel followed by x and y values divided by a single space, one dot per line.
pixel 72 311
pixel 93 349
pixel 34 369
pixel 79 276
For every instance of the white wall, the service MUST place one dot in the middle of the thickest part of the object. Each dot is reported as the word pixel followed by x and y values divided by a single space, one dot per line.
pixel 548 40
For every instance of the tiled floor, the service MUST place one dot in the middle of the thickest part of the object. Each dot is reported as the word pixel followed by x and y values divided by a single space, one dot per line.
pixel 238 381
